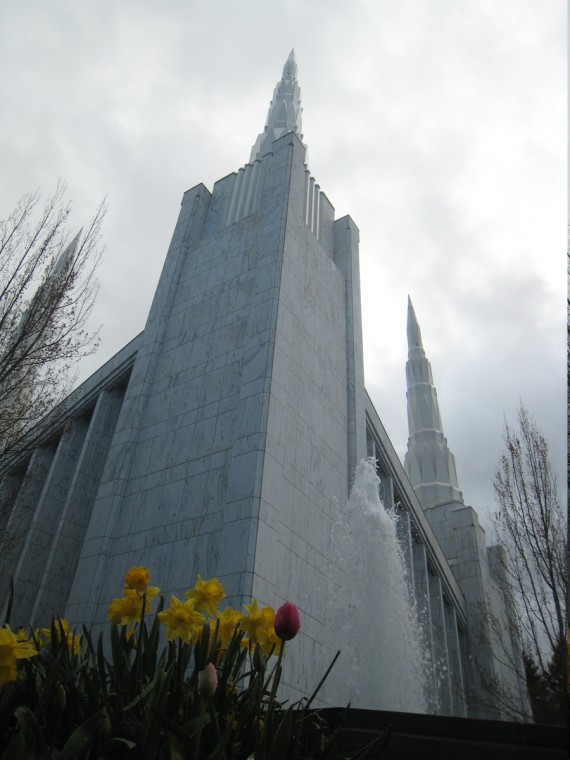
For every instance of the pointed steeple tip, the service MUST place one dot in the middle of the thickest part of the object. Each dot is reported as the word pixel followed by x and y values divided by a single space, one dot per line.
pixel 284 111
pixel 290 68
pixel 414 334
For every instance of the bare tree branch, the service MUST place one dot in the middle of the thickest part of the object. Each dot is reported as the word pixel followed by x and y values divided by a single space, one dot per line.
pixel 48 288
pixel 529 524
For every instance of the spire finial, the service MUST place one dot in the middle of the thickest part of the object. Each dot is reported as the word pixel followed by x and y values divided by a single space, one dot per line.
pixel 284 110
pixel 414 333
pixel 290 68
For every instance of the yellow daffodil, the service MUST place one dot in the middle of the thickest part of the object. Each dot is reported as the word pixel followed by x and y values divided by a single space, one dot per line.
pixel 22 635
pixel 137 579
pixel 12 647
pixel 206 594
pixel 62 631
pixel 127 610
pixel 228 620
pixel 258 625
pixel 268 647
pixel 271 644
pixel 182 620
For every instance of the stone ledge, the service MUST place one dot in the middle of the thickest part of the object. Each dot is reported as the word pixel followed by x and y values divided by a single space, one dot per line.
pixel 436 737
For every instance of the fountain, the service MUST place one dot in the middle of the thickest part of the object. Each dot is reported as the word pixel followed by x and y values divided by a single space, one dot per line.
pixel 383 665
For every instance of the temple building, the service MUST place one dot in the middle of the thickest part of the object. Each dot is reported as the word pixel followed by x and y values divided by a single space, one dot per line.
pixel 223 440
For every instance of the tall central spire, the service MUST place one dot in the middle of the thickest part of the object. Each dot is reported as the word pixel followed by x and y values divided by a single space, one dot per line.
pixel 284 110
pixel 429 463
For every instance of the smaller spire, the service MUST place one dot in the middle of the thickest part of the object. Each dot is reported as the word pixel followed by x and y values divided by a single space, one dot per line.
pixel 284 111
pixel 64 257
pixel 43 290
pixel 414 333
pixel 429 463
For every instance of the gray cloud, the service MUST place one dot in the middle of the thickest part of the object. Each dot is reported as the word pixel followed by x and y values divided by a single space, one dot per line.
pixel 438 126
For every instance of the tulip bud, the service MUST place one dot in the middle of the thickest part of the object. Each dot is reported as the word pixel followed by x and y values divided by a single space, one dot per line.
pixel 208 681
pixel 287 621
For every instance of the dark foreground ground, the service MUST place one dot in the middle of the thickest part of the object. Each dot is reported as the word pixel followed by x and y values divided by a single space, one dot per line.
pixel 433 737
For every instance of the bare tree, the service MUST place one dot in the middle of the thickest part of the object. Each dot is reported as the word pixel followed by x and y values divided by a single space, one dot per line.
pixel 502 692
pixel 529 523
pixel 47 292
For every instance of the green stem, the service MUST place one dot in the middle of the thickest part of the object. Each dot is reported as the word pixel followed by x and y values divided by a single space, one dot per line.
pixel 138 654
pixel 259 677
pixel 178 684
pixel 199 732
pixel 274 685
pixel 214 714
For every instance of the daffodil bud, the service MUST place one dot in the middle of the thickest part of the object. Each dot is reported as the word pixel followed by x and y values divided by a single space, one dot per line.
pixel 60 698
pixel 258 660
pixel 105 727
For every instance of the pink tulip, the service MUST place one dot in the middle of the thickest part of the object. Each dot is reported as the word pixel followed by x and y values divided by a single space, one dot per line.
pixel 287 621
pixel 208 681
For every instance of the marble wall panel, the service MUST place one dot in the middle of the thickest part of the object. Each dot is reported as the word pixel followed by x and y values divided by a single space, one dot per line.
pixel 22 514
pixel 41 534
pixel 441 653
pixel 76 508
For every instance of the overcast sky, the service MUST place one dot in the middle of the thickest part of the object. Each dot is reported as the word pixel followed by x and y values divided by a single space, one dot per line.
pixel 438 125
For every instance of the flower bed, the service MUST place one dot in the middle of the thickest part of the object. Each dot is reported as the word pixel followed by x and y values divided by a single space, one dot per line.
pixel 189 681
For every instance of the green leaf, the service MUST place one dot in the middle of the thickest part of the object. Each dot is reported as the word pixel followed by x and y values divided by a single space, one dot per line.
pixel 182 733
pixel 53 669
pixel 279 749
pixel 323 679
pixel 10 599
pixel 102 664
pixel 27 719
pixel 21 747
pixel 175 748
pixel 83 736
pixel 117 743
pixel 157 702
pixel 220 750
